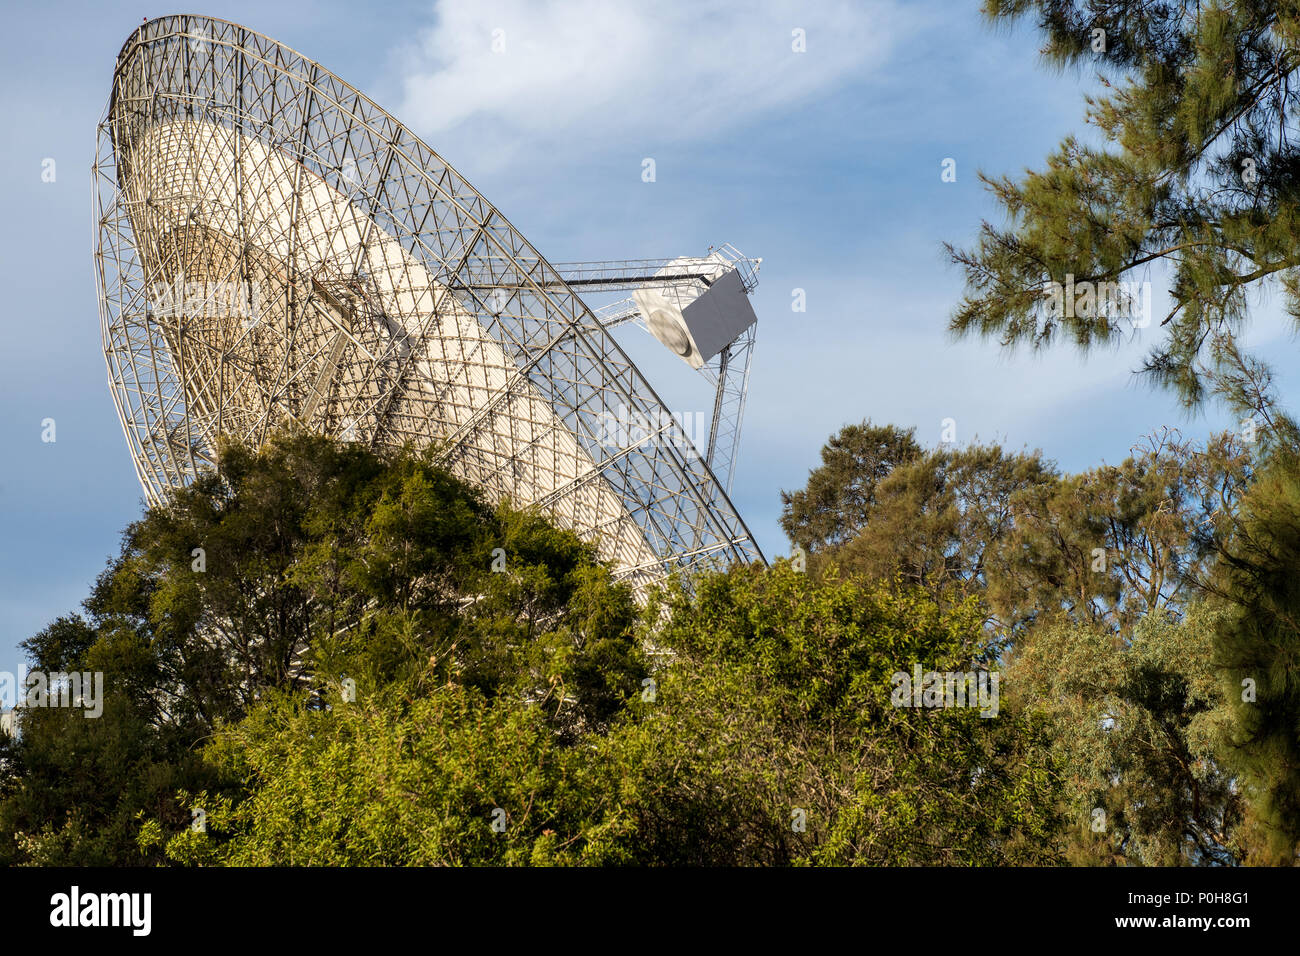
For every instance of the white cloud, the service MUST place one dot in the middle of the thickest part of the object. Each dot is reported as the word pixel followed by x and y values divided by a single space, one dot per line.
pixel 589 72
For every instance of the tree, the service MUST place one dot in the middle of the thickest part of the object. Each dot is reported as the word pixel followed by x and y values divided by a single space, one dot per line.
pixel 831 508
pixel 1257 644
pixel 443 777
pixel 1115 543
pixel 1083 582
pixel 293 568
pixel 75 785
pixel 767 735
pixel 1200 175
pixel 775 736
pixel 946 522
pixel 940 520
pixel 1137 721
pixel 1110 543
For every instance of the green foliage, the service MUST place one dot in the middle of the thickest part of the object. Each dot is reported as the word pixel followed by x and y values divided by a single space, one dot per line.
pixel 1082 582
pixel 940 520
pixel 370 665
pixel 773 699
pixel 1106 546
pixel 829 510
pixel 1199 175
pixel 387 781
pixel 1257 647
pixel 75 785
pixel 777 699
pixel 318 562
pixel 1139 724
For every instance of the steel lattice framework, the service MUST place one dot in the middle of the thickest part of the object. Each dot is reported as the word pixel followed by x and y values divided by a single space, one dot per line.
pixel 728 372
pixel 380 299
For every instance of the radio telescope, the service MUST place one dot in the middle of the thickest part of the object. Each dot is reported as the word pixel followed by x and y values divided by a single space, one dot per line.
pixel 273 249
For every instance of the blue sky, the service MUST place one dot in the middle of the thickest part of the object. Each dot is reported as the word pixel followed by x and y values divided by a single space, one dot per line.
pixel 825 163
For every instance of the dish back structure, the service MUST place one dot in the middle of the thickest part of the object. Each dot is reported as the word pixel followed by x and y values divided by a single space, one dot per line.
pixel 272 248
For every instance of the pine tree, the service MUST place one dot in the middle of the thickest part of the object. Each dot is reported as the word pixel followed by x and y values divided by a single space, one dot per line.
pixel 1200 175
pixel 1258 649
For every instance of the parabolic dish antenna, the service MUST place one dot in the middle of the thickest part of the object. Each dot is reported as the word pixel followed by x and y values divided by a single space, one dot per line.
pixel 272 248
